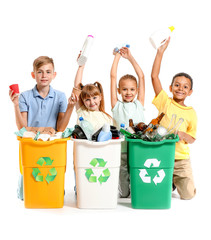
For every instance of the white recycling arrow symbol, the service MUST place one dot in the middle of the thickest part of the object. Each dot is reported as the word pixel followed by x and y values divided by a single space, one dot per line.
pixel 142 174
pixel 152 162
pixel 159 179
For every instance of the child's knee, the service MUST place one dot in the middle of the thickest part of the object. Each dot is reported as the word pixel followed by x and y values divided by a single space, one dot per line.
pixel 188 196
pixel 188 193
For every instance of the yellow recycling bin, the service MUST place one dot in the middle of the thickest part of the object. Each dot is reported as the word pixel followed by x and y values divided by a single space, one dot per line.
pixel 44 165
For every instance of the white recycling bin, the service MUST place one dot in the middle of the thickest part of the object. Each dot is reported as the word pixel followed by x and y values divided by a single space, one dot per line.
pixel 97 167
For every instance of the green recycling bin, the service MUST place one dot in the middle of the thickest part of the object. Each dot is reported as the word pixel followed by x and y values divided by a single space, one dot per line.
pixel 151 166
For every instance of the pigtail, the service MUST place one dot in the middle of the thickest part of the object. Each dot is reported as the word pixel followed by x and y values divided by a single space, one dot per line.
pixel 102 102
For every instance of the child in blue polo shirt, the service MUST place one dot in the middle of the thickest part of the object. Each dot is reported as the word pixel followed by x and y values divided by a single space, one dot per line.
pixel 42 106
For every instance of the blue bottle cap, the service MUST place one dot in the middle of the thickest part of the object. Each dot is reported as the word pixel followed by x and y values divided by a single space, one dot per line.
pixel 127 45
pixel 122 125
pixel 81 118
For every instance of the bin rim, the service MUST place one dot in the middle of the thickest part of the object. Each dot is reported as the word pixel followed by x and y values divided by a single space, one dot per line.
pixel 30 140
pixel 85 141
pixel 153 143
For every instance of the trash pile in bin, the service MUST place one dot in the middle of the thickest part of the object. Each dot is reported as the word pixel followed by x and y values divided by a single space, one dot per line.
pixel 85 130
pixel 153 132
pixel 43 133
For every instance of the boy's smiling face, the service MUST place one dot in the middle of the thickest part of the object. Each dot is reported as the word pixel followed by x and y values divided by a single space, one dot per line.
pixel 128 90
pixel 181 88
pixel 44 75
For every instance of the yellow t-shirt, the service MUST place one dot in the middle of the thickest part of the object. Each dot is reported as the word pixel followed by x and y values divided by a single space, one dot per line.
pixel 168 106
pixel 96 118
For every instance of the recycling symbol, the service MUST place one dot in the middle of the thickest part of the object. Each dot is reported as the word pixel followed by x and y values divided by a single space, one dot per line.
pixel 50 177
pixel 144 174
pixel 97 162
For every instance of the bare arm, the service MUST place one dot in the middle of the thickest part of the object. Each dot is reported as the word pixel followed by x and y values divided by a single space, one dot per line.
pixel 156 83
pixel 186 137
pixel 78 81
pixel 125 52
pixel 79 76
pixel 141 81
pixel 64 118
pixel 113 76
pixel 20 117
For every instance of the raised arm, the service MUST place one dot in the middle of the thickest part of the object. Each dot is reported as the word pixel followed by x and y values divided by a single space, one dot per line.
pixel 78 82
pixel 156 83
pixel 125 52
pixel 113 76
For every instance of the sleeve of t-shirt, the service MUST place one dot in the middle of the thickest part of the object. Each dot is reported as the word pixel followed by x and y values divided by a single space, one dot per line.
pixel 160 100
pixel 63 103
pixel 22 103
pixel 192 127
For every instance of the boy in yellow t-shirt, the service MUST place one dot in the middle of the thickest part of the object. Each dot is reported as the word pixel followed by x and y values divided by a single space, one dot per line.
pixel 181 87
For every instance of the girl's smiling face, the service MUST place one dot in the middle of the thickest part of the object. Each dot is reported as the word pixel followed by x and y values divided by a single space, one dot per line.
pixel 181 88
pixel 92 103
pixel 128 90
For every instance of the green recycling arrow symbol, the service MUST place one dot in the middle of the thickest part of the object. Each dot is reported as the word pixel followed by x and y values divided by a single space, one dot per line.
pixel 104 178
pixel 51 177
pixel 36 171
pixel 88 174
pixel 97 162
pixel 47 161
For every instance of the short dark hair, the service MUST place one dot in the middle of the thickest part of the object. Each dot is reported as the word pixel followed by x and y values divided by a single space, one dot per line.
pixel 182 74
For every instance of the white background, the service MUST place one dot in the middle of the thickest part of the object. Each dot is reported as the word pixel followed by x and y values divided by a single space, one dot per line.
pixel 58 29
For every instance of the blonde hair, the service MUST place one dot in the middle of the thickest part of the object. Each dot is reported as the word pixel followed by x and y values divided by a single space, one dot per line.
pixel 127 76
pixel 40 61
pixel 90 90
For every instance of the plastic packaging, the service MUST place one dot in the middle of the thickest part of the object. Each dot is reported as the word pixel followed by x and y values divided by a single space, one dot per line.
pixel 85 50
pixel 78 133
pixel 95 135
pixel 105 134
pixel 159 37
pixel 86 127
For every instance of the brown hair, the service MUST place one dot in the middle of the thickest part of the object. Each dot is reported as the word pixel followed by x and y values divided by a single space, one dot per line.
pixel 90 90
pixel 127 76
pixel 40 61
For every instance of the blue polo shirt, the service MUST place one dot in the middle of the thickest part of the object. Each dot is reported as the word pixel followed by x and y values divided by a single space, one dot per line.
pixel 42 112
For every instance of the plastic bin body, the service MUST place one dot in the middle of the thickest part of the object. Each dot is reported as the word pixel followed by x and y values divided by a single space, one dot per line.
pixel 43 194
pixel 151 166
pixel 102 190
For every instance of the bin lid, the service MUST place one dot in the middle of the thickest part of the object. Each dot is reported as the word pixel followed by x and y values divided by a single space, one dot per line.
pixel 85 141
pixel 153 143
pixel 30 140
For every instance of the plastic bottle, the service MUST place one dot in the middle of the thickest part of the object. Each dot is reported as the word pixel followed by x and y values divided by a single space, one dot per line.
pixel 86 127
pixel 159 37
pixel 105 134
pixel 85 50
pixel 116 49
pixel 122 126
